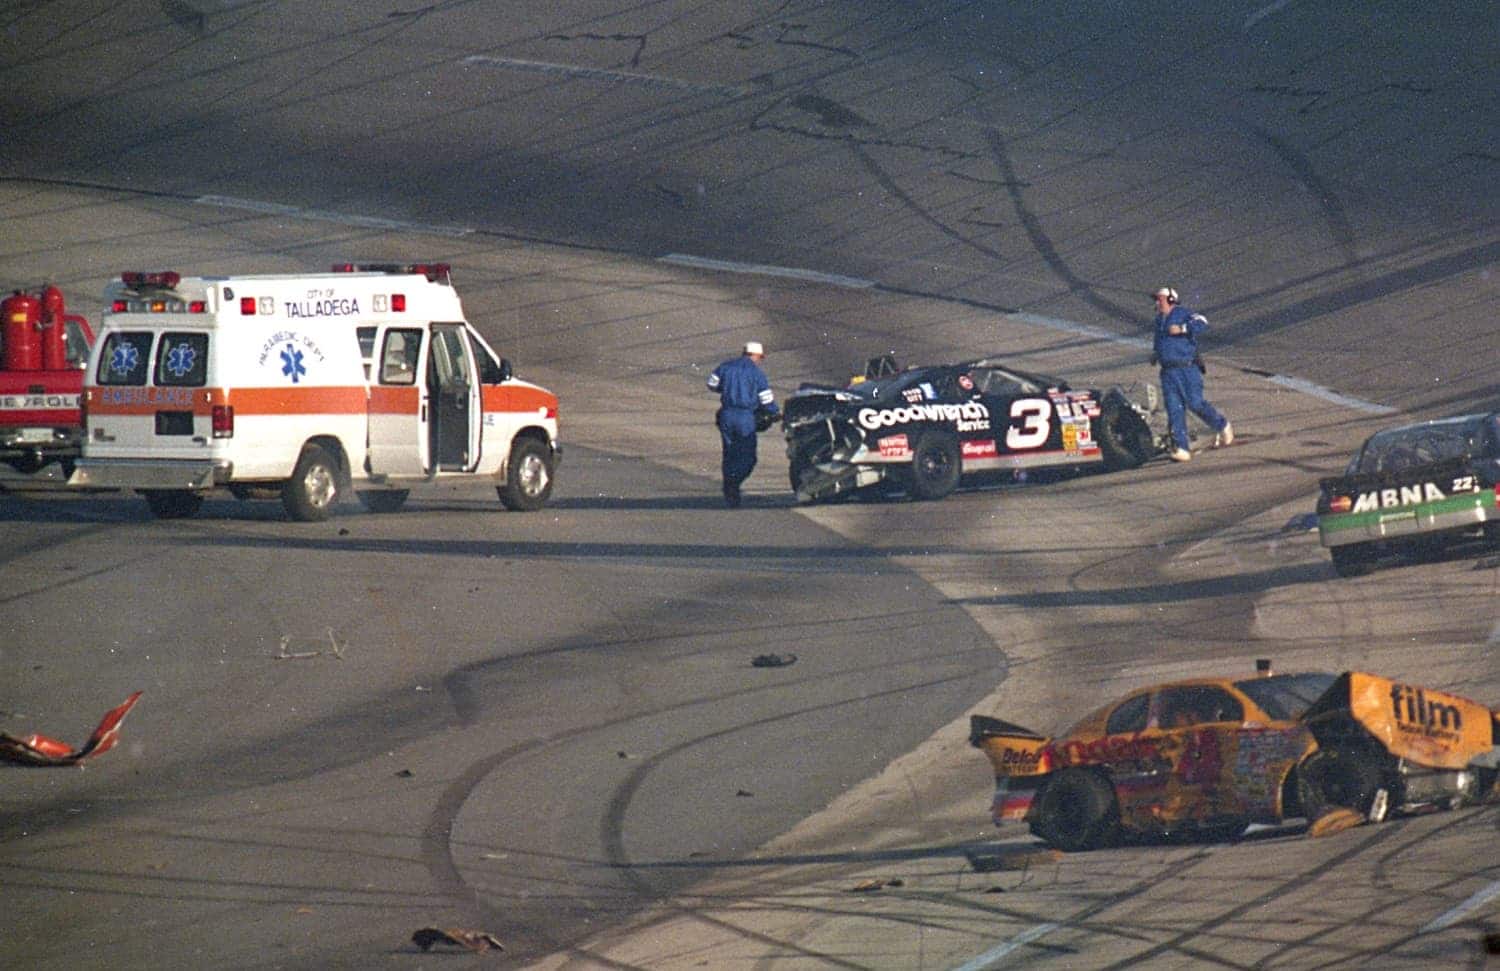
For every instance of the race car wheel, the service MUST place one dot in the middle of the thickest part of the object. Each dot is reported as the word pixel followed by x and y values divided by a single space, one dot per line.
pixel 935 466
pixel 308 496
pixel 1351 560
pixel 528 481
pixel 1076 810
pixel 172 503
pixel 1124 437
pixel 1349 778
pixel 383 500
pixel 795 471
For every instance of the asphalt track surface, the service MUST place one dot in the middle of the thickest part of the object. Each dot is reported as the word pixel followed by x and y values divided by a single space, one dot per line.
pixel 547 725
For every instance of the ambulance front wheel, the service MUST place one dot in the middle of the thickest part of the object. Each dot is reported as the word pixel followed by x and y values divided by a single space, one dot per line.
pixel 172 503
pixel 310 493
pixel 528 482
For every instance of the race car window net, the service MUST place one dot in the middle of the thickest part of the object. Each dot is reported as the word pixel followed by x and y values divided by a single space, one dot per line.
pixel 1197 705
pixel 1286 697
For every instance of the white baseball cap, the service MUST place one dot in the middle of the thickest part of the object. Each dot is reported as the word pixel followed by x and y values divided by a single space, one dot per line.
pixel 754 347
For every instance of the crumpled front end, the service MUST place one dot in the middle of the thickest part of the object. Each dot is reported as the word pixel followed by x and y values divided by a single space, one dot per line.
pixel 825 449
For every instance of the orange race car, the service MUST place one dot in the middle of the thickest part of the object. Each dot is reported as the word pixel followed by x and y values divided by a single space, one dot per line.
pixel 1209 756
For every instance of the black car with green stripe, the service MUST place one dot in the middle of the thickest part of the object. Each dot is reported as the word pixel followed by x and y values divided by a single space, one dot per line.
pixel 1413 487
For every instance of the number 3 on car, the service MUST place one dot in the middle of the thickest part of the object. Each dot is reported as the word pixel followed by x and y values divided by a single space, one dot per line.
pixel 1035 425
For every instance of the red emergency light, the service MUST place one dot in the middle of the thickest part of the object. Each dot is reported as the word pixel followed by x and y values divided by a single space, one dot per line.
pixel 1340 504
pixel 247 306
pixel 164 279
pixel 398 303
pixel 435 272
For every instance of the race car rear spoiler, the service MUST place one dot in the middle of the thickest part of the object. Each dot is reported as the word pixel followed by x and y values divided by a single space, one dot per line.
pixel 1011 749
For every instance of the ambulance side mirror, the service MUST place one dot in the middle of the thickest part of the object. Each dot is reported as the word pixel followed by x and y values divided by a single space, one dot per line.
pixel 506 372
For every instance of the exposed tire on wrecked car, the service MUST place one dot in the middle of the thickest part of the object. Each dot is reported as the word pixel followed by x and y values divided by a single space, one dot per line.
pixel 1076 810
pixel 1347 778
pixel 1124 437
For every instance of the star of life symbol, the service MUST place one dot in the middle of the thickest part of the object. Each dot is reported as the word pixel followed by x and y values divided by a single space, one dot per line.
pixel 124 359
pixel 291 363
pixel 180 359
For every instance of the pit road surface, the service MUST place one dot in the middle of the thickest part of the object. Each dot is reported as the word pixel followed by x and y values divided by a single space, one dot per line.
pixel 570 691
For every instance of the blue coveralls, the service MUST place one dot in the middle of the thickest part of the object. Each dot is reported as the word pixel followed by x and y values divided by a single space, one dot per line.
pixel 742 387
pixel 1181 381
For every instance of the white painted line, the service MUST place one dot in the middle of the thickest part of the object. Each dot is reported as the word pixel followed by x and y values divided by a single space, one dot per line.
pixel 988 958
pixel 1265 12
pixel 323 215
pixel 1318 391
pixel 727 266
pixel 1456 914
pixel 605 74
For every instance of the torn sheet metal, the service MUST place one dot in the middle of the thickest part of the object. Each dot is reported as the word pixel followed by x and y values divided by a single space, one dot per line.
pixel 43 751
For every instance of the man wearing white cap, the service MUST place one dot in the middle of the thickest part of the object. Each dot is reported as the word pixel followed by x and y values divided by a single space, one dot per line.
pixel 1175 348
pixel 742 389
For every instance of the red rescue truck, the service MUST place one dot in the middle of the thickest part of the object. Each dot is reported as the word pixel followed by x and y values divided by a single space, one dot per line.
pixel 306 387
pixel 43 350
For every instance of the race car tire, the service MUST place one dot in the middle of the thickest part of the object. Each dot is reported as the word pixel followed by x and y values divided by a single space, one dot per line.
pixel 172 503
pixel 1124 437
pixel 528 480
pixel 308 496
pixel 1351 560
pixel 383 500
pixel 1076 810
pixel 1334 778
pixel 795 471
pixel 935 468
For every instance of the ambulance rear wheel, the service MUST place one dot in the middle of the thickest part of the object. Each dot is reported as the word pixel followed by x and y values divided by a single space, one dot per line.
pixel 310 493
pixel 172 503
pixel 528 482
pixel 383 500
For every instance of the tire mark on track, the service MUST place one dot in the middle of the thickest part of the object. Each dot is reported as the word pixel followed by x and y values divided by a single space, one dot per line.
pixel 1042 243
pixel 1178 943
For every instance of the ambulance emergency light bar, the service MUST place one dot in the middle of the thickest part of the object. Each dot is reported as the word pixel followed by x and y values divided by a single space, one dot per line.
pixel 154 303
pixel 434 272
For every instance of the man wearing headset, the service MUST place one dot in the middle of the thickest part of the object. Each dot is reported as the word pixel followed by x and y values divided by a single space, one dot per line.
pixel 1176 350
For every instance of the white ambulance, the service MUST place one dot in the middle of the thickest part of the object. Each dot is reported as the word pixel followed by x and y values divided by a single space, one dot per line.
pixel 365 379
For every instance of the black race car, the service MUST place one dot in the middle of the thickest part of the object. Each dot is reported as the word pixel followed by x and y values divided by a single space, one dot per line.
pixel 1414 487
pixel 923 428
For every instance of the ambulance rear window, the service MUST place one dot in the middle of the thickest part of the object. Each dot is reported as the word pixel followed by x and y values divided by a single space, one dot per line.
pixel 123 359
pixel 182 360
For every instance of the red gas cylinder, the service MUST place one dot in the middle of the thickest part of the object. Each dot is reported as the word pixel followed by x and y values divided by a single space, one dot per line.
pixel 19 315
pixel 54 331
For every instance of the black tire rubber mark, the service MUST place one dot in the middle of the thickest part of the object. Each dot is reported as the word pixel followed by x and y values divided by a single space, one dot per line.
pixel 1328 201
pixel 1178 943
pixel 612 829
pixel 1042 243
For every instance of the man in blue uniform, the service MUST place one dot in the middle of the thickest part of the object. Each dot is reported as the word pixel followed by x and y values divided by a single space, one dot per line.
pixel 1176 350
pixel 742 389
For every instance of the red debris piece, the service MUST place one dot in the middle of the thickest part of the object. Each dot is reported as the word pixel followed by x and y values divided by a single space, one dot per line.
pixel 41 750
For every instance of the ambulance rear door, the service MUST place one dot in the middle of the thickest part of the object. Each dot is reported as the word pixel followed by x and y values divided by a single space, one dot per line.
pixel 399 405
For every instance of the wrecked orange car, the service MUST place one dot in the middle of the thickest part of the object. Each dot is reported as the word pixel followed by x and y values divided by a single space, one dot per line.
pixel 1210 756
